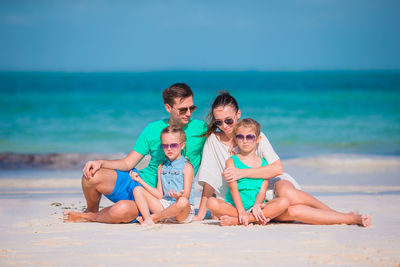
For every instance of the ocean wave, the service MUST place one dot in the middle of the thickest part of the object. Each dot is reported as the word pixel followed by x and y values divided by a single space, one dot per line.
pixel 10 161
pixel 347 163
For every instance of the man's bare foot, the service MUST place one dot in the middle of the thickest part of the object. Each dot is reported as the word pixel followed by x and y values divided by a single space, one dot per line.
pixel 228 220
pixel 73 216
pixel 366 220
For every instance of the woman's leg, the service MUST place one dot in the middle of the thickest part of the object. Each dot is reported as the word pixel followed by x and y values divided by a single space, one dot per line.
pixel 146 202
pixel 208 191
pixel 295 196
pixel 310 215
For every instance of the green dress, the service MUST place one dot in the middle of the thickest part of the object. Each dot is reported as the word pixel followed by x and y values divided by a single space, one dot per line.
pixel 248 187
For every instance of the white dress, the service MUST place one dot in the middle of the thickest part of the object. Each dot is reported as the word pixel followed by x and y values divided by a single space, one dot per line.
pixel 215 154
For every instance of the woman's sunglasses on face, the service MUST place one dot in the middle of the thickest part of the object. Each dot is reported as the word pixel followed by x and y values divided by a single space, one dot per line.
pixel 219 123
pixel 173 146
pixel 183 111
pixel 249 138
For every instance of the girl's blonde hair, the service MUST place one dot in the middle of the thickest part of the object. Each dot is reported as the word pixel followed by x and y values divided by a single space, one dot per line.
pixel 182 137
pixel 248 123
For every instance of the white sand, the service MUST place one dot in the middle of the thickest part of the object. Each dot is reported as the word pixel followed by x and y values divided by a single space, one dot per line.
pixel 32 232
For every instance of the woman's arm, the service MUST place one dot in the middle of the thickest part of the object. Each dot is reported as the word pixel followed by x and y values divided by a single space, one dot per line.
pixel 231 174
pixel 125 164
pixel 156 192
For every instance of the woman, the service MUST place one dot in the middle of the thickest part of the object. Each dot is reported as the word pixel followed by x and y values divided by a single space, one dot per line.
pixel 214 176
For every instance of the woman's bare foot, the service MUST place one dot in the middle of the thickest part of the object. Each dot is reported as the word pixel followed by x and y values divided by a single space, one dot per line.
pixel 73 216
pixel 366 220
pixel 228 220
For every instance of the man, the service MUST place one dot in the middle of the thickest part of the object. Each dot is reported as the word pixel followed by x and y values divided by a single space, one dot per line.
pixel 111 177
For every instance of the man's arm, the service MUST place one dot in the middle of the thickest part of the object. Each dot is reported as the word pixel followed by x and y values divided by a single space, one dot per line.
pixel 232 173
pixel 125 164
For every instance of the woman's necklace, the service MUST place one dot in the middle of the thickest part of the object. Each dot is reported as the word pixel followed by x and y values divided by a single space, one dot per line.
pixel 229 142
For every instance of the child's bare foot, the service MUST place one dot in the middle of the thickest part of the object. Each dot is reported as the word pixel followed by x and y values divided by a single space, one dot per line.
pixel 197 218
pixel 366 220
pixel 228 220
pixel 73 216
pixel 144 222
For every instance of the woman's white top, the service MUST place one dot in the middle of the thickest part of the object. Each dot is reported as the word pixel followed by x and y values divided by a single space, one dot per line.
pixel 215 154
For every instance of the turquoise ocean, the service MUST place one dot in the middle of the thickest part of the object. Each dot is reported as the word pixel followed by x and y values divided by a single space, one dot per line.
pixel 45 115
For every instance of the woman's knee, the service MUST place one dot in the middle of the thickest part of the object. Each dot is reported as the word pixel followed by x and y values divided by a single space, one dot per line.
pixel 285 189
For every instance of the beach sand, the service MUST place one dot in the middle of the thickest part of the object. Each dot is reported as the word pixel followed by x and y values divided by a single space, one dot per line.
pixel 33 233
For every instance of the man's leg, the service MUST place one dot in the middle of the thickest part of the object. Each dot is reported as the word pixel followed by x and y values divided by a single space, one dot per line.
pixel 103 182
pixel 124 211
pixel 180 210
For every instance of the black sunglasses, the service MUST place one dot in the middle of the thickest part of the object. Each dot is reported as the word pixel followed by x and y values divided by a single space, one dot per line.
pixel 219 123
pixel 249 138
pixel 183 111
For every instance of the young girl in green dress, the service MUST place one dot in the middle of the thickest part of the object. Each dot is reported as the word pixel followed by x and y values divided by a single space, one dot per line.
pixel 244 202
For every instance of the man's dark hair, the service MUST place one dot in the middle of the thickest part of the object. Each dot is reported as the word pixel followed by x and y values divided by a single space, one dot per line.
pixel 177 90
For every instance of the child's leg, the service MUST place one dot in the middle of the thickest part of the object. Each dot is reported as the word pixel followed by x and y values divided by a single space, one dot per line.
pixel 228 214
pixel 146 202
pixel 220 208
pixel 180 210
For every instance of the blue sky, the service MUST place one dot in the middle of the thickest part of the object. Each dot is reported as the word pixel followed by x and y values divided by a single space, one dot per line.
pixel 63 35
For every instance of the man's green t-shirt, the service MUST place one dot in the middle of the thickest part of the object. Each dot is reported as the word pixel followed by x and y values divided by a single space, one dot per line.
pixel 149 143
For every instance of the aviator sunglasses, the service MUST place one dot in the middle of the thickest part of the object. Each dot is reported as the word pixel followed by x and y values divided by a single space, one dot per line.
pixel 182 111
pixel 228 121
pixel 249 138
pixel 173 146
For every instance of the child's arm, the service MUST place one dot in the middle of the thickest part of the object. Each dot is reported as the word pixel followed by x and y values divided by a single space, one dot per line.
pixel 233 187
pixel 188 173
pixel 156 192
pixel 257 207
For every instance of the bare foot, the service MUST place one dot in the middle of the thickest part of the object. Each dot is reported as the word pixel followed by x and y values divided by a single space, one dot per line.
pixel 197 218
pixel 366 220
pixel 228 220
pixel 140 219
pixel 73 216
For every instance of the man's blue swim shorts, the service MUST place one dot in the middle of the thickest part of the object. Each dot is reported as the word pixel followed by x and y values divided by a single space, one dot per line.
pixel 124 186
